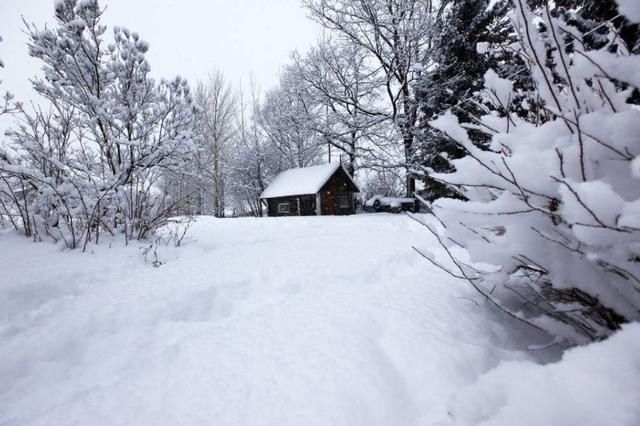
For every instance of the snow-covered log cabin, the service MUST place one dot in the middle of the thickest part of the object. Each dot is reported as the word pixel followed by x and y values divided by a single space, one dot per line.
pixel 326 189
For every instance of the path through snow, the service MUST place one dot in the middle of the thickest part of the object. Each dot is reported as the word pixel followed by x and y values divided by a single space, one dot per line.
pixel 295 321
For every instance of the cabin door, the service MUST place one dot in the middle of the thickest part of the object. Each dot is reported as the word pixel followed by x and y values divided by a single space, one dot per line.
pixel 329 201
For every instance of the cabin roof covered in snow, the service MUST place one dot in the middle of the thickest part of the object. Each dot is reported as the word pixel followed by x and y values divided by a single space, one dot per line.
pixel 301 181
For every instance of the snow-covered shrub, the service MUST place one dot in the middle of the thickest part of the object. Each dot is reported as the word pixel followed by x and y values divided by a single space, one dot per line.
pixel 554 203
pixel 96 161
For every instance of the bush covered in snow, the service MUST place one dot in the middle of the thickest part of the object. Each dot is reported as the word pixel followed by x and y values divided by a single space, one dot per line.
pixel 95 160
pixel 554 202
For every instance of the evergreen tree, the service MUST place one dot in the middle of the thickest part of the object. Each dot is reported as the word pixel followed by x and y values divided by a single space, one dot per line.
pixel 552 198
pixel 452 79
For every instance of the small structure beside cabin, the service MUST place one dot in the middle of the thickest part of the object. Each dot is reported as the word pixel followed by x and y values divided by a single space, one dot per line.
pixel 308 191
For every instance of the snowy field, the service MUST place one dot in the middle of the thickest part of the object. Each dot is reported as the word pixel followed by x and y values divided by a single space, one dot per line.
pixel 289 321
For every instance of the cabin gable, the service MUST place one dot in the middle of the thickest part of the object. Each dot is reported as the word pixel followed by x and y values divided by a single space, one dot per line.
pixel 337 194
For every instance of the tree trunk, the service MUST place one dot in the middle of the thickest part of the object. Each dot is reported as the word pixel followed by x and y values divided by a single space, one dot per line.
pixel 410 182
pixel 409 120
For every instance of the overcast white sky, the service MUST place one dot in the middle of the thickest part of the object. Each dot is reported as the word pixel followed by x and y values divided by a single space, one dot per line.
pixel 186 37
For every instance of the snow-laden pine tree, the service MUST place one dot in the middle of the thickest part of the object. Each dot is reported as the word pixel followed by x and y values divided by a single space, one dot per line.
pixel 452 79
pixel 552 225
pixel 6 105
pixel 96 161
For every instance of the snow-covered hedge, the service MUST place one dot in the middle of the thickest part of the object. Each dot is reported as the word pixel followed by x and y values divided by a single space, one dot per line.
pixel 554 203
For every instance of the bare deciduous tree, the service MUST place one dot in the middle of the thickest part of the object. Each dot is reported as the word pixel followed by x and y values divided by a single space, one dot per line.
pixel 216 128
pixel 287 116
pixel 394 33
pixel 254 160
pixel 346 90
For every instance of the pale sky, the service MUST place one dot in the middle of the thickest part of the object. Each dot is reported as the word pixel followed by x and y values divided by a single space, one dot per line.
pixel 186 37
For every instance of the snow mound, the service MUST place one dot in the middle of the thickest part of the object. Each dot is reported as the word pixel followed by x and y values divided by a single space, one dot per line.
pixel 593 385
pixel 275 321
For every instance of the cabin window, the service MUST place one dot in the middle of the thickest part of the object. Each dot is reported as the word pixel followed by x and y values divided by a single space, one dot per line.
pixel 343 202
pixel 283 208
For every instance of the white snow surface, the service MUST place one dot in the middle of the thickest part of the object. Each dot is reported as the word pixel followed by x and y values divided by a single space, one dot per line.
pixel 300 181
pixel 630 8
pixel 273 321
pixel 595 385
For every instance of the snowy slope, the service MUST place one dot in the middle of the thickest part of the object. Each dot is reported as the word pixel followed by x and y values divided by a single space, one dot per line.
pixel 279 321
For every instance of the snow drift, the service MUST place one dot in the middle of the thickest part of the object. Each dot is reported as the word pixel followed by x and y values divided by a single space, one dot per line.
pixel 595 385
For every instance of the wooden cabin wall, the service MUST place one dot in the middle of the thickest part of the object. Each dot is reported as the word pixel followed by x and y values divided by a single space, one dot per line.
pixel 330 205
pixel 307 205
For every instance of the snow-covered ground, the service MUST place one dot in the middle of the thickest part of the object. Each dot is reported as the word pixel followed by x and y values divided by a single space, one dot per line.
pixel 280 321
